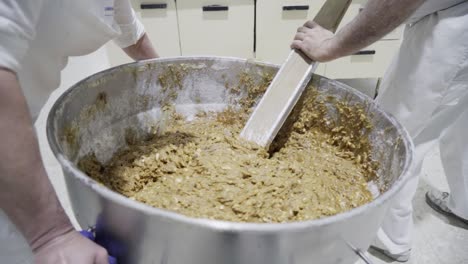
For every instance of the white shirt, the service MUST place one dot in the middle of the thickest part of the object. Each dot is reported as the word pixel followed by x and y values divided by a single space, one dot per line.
pixel 432 6
pixel 36 39
pixel 38 36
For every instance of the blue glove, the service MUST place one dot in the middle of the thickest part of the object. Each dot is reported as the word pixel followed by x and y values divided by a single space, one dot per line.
pixel 91 236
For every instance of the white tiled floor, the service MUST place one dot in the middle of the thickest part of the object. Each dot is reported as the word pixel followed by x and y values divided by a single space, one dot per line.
pixel 436 239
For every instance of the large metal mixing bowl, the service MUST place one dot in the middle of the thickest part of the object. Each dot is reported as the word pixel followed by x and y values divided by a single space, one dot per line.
pixel 95 114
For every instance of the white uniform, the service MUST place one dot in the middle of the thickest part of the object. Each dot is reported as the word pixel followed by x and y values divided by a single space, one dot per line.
pixel 426 88
pixel 37 37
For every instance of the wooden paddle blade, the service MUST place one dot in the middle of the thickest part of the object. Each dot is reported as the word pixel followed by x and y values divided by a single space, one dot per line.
pixel 289 83
pixel 278 101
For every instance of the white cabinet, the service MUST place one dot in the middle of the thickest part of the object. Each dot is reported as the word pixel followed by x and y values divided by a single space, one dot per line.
pixel 277 23
pixel 160 20
pixel 216 27
pixel 370 63
pixel 261 29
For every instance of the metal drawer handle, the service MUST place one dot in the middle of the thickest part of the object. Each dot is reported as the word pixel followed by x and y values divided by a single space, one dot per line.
pixel 153 6
pixel 211 8
pixel 365 52
pixel 295 7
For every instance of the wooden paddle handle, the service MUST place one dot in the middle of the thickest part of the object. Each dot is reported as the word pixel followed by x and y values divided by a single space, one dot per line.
pixel 331 14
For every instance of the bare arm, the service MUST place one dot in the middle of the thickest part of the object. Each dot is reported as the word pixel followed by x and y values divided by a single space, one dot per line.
pixel 378 18
pixel 141 50
pixel 31 209
pixel 133 40
pixel 26 194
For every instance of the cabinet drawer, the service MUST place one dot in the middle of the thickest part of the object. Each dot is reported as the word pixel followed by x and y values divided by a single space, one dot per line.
pixel 160 20
pixel 277 23
pixel 354 9
pixel 216 27
pixel 371 63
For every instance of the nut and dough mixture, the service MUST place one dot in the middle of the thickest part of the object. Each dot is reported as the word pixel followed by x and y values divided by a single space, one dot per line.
pixel 202 169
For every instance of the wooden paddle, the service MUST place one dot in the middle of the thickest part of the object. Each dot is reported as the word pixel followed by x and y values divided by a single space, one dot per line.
pixel 289 83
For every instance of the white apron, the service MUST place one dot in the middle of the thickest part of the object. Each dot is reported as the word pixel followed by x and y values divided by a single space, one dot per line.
pixel 426 89
pixel 65 28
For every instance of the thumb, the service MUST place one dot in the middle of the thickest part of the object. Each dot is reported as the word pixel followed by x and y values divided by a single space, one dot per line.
pixel 311 24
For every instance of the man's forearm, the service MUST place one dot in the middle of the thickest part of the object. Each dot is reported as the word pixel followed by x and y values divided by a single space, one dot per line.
pixel 142 50
pixel 377 19
pixel 26 194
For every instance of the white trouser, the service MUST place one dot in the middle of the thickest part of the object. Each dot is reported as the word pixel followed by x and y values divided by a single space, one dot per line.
pixel 426 89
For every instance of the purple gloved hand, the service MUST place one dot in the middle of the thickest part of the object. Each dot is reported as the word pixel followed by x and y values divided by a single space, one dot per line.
pixel 90 235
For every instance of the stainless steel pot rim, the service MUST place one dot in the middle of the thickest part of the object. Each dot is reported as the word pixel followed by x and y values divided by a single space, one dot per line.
pixel 223 226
